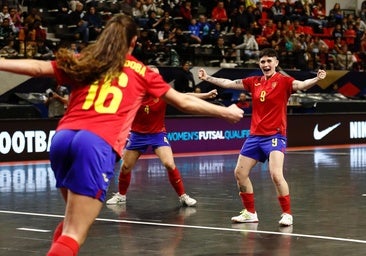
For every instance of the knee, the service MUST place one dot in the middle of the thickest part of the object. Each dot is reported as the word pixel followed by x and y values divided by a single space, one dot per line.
pixel 126 168
pixel 240 176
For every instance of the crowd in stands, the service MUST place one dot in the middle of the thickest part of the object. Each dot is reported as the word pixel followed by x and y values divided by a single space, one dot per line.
pixel 215 32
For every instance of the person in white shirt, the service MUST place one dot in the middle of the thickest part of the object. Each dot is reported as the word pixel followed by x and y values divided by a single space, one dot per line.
pixel 250 46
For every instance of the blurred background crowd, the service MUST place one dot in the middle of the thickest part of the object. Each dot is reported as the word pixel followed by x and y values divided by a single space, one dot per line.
pixel 226 33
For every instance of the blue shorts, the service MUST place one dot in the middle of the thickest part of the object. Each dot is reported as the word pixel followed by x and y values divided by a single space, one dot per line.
pixel 82 162
pixel 141 141
pixel 259 147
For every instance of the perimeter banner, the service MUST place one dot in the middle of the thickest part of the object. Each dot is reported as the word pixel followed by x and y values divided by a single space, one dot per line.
pixel 31 139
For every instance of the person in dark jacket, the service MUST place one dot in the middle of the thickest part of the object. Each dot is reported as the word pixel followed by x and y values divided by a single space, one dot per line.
pixel 184 81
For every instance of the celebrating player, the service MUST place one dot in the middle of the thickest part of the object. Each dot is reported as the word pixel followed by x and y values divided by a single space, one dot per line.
pixel 267 140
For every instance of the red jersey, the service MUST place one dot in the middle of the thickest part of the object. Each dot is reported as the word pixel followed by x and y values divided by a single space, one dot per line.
pixel 150 117
pixel 219 14
pixel 108 107
pixel 269 103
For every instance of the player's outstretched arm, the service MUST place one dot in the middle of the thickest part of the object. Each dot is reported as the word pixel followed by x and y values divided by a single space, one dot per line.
pixel 29 67
pixel 194 105
pixel 221 82
pixel 308 83
pixel 204 95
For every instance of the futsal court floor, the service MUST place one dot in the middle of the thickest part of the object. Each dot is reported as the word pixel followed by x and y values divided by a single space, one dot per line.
pixel 328 190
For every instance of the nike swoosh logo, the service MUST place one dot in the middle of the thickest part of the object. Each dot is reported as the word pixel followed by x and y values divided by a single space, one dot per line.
pixel 318 135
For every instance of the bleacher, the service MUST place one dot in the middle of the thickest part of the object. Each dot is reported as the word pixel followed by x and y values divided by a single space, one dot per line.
pixel 59 33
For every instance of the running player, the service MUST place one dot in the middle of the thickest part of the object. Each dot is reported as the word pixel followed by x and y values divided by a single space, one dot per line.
pixel 267 140
pixel 107 88
pixel 148 129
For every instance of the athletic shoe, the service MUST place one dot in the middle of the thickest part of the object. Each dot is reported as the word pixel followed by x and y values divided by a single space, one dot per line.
pixel 245 217
pixel 117 198
pixel 286 219
pixel 186 200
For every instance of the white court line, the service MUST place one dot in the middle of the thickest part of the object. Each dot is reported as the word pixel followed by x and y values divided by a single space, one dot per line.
pixel 198 227
pixel 35 230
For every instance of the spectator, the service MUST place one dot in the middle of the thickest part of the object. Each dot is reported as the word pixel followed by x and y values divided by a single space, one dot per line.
pixel 242 102
pixel 39 31
pixel 81 30
pixel 318 51
pixel 278 42
pixel 241 18
pixel 194 32
pixel 277 12
pixel 168 56
pixel 8 51
pixel 42 51
pixel 250 46
pixel 318 16
pixel 250 14
pixel 219 14
pixel 153 22
pixel 337 31
pixel 255 28
pixel 216 32
pixel 184 81
pixel 16 20
pixel 298 28
pixel 181 42
pixel 149 6
pixel 335 15
pixel 289 10
pixel 32 16
pixel 62 16
pixel 237 38
pixel 350 37
pixel 166 35
pixel 269 29
pixel 299 12
pixel 138 14
pixel 345 58
pixel 290 45
pixel 95 23
pixel 185 11
pixel 5 14
pixel 205 29
pixel 57 99
pixel 166 18
pixel 363 11
pixel 221 52
pixel 145 49
pixel 6 32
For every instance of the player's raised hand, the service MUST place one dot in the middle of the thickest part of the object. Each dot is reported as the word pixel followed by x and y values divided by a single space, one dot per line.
pixel 202 74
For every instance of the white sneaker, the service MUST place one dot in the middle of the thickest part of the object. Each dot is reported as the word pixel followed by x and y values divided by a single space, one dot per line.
pixel 245 217
pixel 186 200
pixel 117 198
pixel 286 219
